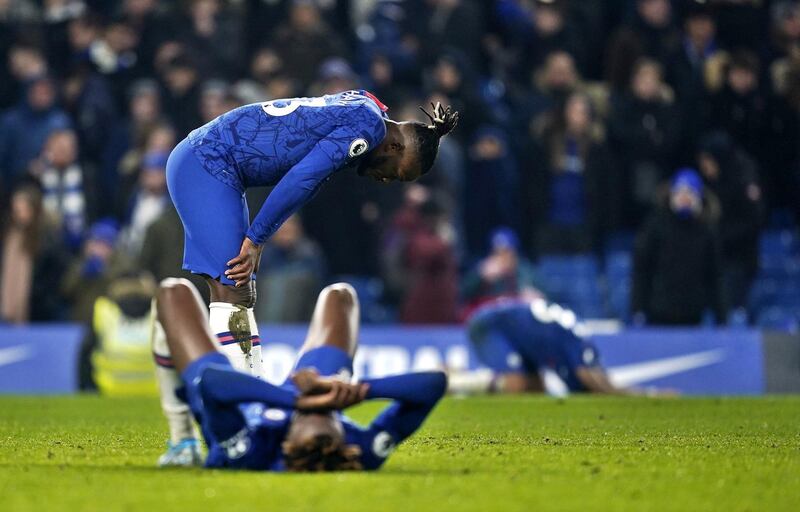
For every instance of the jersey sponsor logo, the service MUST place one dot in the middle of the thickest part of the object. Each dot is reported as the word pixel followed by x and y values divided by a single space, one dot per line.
pixel 383 445
pixel 358 147
pixel 280 108
pixel 237 446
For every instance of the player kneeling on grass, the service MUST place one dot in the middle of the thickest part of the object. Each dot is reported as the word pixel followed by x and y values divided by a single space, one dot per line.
pixel 522 341
pixel 250 424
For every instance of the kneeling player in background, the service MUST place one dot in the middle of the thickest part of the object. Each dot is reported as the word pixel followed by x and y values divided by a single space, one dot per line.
pixel 521 342
pixel 250 424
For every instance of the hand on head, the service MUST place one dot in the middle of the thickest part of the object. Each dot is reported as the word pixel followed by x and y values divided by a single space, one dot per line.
pixel 326 393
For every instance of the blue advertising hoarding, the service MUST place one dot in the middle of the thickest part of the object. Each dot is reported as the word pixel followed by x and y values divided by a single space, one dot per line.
pixel 43 358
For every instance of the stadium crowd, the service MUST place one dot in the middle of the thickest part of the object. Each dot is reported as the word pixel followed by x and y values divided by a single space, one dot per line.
pixel 584 125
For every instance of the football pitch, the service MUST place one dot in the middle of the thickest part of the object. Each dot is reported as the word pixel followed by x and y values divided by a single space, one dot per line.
pixel 487 453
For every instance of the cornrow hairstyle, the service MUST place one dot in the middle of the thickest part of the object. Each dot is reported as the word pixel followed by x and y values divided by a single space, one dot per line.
pixel 443 120
pixel 321 454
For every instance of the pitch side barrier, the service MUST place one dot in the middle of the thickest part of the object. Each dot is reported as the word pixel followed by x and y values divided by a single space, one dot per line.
pixel 43 359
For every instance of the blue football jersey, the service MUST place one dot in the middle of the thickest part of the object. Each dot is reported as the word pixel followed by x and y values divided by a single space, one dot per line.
pixel 292 144
pixel 541 335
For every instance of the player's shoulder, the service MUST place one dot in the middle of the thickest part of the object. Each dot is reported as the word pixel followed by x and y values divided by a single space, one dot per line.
pixel 376 443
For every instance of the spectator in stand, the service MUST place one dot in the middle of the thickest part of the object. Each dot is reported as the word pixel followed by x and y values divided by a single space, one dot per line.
pixel 67 188
pixel 491 189
pixel 148 201
pixel 452 76
pixel 643 130
pixel 25 128
pixel 550 85
pixel 781 170
pixel 552 31
pixel 651 33
pixel 212 32
pixel 733 177
pixel 677 269
pixel 455 24
pixel 570 181
pixel 418 259
pixel 305 42
pixel 505 272
pixel 25 63
pixel 691 66
pixel 29 249
pixel 293 272
pixel 429 266
pixel 162 251
pixel 739 107
pixel 160 139
pixel 182 89
pixel 335 75
pixel 88 276
pixel 785 31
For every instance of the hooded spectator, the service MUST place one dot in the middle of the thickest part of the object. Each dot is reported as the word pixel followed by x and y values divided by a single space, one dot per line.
pixel 677 270
pixel 733 177
pixel 88 276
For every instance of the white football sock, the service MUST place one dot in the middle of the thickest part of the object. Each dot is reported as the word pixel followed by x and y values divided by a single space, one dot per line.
pixel 177 412
pixel 256 362
pixel 239 347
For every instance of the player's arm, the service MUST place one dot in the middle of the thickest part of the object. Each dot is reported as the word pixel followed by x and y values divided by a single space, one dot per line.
pixel 226 386
pixel 414 396
pixel 596 380
pixel 294 190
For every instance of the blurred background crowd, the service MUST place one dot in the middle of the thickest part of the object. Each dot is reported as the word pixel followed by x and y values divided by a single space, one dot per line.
pixel 634 159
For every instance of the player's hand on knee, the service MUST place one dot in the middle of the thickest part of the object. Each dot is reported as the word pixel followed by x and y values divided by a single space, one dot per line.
pixel 242 267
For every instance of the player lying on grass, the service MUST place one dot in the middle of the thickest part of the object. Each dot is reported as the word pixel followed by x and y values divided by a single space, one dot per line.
pixel 293 145
pixel 520 341
pixel 250 424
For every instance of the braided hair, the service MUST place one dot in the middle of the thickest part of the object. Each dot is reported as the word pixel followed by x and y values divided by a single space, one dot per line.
pixel 321 453
pixel 443 120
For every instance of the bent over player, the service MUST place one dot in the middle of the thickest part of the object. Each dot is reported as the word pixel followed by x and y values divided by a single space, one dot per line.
pixel 291 144
pixel 520 341
pixel 250 424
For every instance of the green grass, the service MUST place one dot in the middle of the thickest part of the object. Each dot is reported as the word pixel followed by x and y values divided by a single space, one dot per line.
pixel 489 453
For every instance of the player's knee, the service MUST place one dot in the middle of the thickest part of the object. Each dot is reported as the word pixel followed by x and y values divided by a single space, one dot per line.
pixel 341 294
pixel 172 287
